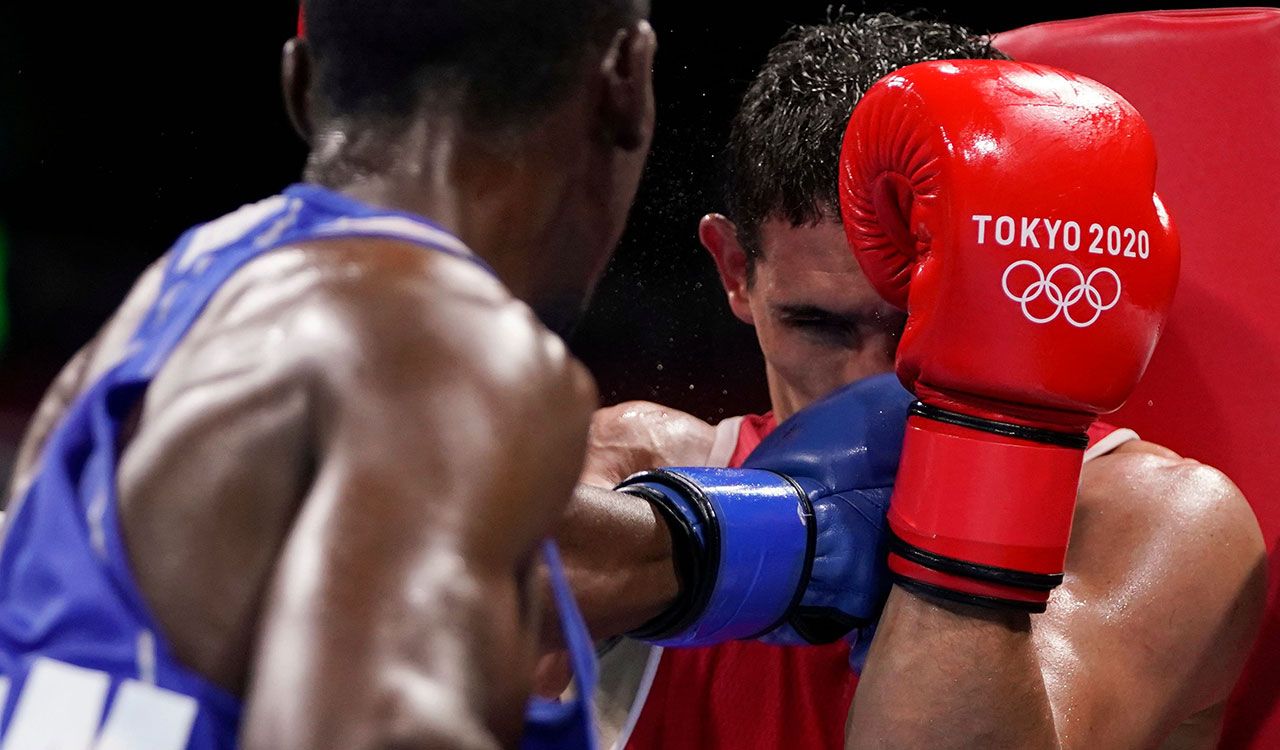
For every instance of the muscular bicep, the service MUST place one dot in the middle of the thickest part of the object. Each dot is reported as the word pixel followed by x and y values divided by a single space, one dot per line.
pixel 398 613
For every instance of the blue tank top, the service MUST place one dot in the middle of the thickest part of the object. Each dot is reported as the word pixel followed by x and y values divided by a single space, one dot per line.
pixel 83 663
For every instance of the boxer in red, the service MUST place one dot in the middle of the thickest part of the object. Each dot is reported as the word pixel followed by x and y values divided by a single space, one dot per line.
pixel 1163 584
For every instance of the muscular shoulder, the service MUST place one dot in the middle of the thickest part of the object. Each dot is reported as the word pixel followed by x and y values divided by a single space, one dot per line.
pixel 1149 493
pixel 423 367
pixel 637 435
pixel 656 421
pixel 378 337
pixel 1163 539
pixel 414 322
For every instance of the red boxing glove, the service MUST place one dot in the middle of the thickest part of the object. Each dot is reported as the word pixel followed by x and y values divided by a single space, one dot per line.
pixel 1011 210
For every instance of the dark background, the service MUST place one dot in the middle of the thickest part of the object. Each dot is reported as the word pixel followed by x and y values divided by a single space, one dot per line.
pixel 121 126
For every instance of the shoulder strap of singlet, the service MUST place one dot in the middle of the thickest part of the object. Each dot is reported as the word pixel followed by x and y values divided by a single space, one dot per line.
pixel 206 256
pixel 565 724
pixel 725 442
pixel 1104 438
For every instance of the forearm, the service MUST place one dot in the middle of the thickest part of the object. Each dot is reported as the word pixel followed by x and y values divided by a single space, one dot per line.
pixel 617 553
pixel 616 547
pixel 951 676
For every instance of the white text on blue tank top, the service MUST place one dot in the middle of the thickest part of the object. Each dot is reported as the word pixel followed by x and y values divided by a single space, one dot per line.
pixel 60 706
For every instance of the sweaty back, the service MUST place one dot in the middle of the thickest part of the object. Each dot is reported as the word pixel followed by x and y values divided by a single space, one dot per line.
pixel 84 660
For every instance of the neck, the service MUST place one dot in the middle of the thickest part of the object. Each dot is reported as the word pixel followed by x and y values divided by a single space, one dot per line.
pixel 783 399
pixel 501 203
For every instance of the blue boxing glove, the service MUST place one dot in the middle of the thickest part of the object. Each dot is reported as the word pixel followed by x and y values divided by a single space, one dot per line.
pixel 790 547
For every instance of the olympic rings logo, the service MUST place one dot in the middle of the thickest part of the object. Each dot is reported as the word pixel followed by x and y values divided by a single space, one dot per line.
pixel 1065 290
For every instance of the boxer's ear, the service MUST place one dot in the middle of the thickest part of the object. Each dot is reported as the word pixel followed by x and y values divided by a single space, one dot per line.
pixel 295 78
pixel 627 68
pixel 720 237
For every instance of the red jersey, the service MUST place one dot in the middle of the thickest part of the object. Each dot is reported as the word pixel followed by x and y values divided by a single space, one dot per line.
pixel 745 694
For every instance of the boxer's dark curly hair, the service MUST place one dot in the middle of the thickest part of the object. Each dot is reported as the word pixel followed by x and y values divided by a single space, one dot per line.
pixel 495 62
pixel 784 146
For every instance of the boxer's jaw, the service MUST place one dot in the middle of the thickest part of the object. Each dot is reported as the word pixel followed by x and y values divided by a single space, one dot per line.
pixel 819 323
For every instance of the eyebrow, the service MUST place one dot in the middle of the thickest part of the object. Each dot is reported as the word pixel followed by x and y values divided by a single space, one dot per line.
pixel 852 318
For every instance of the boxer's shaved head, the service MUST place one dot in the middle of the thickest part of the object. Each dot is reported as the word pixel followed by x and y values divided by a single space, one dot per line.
pixel 496 63
pixel 784 146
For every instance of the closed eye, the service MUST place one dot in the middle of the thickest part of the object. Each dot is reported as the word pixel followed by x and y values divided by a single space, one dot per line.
pixel 824 327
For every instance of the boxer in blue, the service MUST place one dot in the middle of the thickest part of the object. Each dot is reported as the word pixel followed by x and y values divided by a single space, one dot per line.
pixel 292 493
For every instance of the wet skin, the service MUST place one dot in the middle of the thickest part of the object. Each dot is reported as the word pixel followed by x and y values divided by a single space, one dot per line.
pixel 333 491
pixel 1158 539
